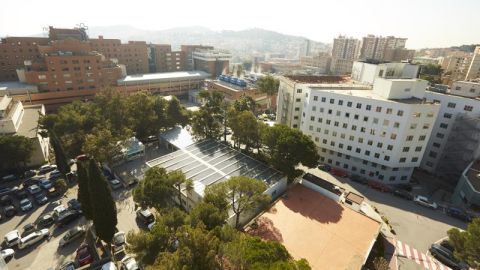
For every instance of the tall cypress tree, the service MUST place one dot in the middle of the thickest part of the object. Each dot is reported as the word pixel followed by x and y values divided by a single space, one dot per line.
pixel 83 191
pixel 60 157
pixel 104 208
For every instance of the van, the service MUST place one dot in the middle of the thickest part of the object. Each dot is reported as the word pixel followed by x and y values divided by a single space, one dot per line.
pixel 33 238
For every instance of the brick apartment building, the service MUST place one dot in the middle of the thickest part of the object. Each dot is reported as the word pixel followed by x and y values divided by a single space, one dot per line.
pixel 163 59
pixel 214 62
pixel 188 50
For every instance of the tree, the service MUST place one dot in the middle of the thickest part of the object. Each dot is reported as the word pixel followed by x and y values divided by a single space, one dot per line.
pixel 245 103
pixel 178 180
pixel 141 115
pixel 176 113
pixel 288 147
pixel 155 190
pixel 83 194
pixel 246 130
pixel 103 205
pixel 15 150
pixel 244 194
pixel 208 215
pixel 466 243
pixel 60 158
pixel 380 263
pixel 268 85
pixel 206 125
pixel 102 145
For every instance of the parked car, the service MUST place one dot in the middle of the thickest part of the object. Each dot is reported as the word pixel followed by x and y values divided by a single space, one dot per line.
pixel 119 239
pixel 33 238
pixel 55 175
pixel 29 173
pixel 34 189
pixel 84 256
pixel 47 168
pixel 379 186
pixel 21 194
pixel 28 229
pixel 115 184
pixel 45 184
pixel 403 194
pixel 58 210
pixel 458 214
pixel 358 179
pixel 11 239
pixel 67 217
pixel 26 205
pixel 324 167
pixel 33 181
pixel 145 216
pixel 71 235
pixel 7 254
pixel 338 172
pixel 424 201
pixel 74 204
pixel 5 191
pixel 10 211
pixel 446 257
pixel 406 187
pixel 8 178
pixel 82 157
pixel 447 245
pixel 129 263
pixel 45 221
pixel 41 199
pixel 67 266
pixel 6 200
pixel 53 192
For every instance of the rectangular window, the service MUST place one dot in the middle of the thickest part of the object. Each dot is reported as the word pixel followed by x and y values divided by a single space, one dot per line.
pixel 347 115
pixel 396 125
pixel 367 153
pixel 365 118
pixel 324 99
pixel 386 158
pixel 376 155
pixel 359 105
pixel 340 145
pixel 418 149
pixel 362 129
pixel 349 104
pixel 370 142
pixel 440 135
pixel 315 98
pixel 335 124
pixel 299 91
pixel 400 113
pixel 329 111
pixel 443 125
pixel 312 118
pixel 422 138
pixel 314 108
pixel 351 138
pixel 368 107
pixel 345 125
pixel 432 154
pixel 451 105
pixel 378 109
pixel 328 122
pixel 447 115
pixel 297 109
pixel 468 108
pixel 354 127
pixel 406 149
pixel 358 150
pixel 355 117
pixel 402 160
pixel 349 148
pixel 390 147
pixel 375 120
pixel 298 100
pixel 386 122
pixel 437 145
pixel 360 140
pixel 389 110
pixel 340 102
pixel 332 101
pixel 410 138
pixel 426 126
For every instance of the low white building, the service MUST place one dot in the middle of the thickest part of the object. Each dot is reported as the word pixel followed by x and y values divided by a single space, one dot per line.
pixel 17 119
pixel 377 131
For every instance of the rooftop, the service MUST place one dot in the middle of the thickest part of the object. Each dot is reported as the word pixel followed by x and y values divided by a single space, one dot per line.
pixel 319 79
pixel 29 125
pixel 13 88
pixel 178 137
pixel 208 162
pixel 316 228
pixel 323 183
pixel 162 77
pixel 473 175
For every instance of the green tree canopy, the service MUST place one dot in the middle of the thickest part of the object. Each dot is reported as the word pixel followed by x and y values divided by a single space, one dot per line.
pixel 287 147
pixel 155 190
pixel 466 243
pixel 83 194
pixel 60 157
pixel 268 85
pixel 245 103
pixel 102 145
pixel 208 215
pixel 245 128
pixel 15 151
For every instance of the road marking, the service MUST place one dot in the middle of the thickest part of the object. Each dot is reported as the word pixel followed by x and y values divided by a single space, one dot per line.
pixel 407 249
pixel 400 250
pixel 404 250
pixel 423 257
pixel 415 255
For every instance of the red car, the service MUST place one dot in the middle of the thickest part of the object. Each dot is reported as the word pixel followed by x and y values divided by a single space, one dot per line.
pixel 338 172
pixel 379 186
pixel 82 157
pixel 84 256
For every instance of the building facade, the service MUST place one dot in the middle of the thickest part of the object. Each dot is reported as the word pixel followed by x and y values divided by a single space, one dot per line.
pixel 188 51
pixel 377 131
pixel 376 47
pixel 467 191
pixel 214 62
pixel 166 60
pixel 344 52
pixel 455 66
pixel 455 140
pixel 474 68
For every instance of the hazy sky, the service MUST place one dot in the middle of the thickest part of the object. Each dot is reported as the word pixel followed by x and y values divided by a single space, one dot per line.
pixel 426 23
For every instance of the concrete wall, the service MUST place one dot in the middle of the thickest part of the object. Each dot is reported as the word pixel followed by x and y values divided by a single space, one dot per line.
pixel 320 190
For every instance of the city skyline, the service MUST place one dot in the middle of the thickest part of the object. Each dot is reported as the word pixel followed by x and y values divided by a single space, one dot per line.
pixel 411 20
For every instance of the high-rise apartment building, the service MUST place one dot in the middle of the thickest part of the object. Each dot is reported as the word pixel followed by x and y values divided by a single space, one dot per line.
pixel 377 130
pixel 166 60
pixel 455 140
pixel 344 52
pixel 455 66
pixel 188 50
pixel 383 48
pixel 214 62
pixel 474 68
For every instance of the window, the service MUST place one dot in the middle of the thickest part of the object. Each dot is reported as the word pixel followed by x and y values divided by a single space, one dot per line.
pixel 410 138
pixel 468 108
pixel 312 118
pixel 376 155
pixel 295 117
pixel 334 134
pixel 321 110
pixel 354 127
pixel 392 178
pixel 429 115
pixel 379 145
pixel 414 159
pixel 396 125
pixel 315 98
pixel 447 115
pixel 349 104
pixel 432 154
pixel 298 100
pixel 332 143
pixel 335 124
pixel 458 88
pixel 295 126
pixel 342 135
pixel 314 108
pixel 367 153
pixel 451 105
pixel 426 126
pixel 359 105
pixel 355 117
pixel 386 158
pixel 370 142
pixel 310 128
pixel 340 102
pixel 365 118
pixel 299 91
pixel 345 125
pixel 332 101
pixel 368 107
pixel 422 138
pixel 362 171
pixel 338 113
pixel 328 122
pixel 358 150
pixel 386 122
pixel 375 120
pixel 364 162
pixel 42 77
pixel 378 109
pixel 407 89
pixel 351 138
pixel 340 145
pixel 324 99
pixel 329 111
pixel 418 149
pixel 406 149
pixel 347 115
pixel 402 160
pixel 349 148
pixel 360 140
pixel 320 120
pixel 389 110
pixel 440 135
pixel 324 141
pixel 297 109
pixel 400 113
pixel 390 147
pixel 416 115
pixel 362 129
pixel 437 145
pixel 326 131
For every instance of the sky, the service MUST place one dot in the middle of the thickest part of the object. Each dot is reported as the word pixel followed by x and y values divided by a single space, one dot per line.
pixel 426 23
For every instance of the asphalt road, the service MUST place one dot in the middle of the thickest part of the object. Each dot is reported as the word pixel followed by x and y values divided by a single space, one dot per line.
pixel 414 225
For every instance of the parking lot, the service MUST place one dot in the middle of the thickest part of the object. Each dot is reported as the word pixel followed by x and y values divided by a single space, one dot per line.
pixel 46 254
pixel 413 224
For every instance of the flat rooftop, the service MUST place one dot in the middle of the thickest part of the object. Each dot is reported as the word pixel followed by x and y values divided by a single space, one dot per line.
pixel 473 175
pixel 208 162
pixel 312 226
pixel 16 88
pixel 323 183
pixel 162 77
pixel 368 93
pixel 29 125
pixel 318 79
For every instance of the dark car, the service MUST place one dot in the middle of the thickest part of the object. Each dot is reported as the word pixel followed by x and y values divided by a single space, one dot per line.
pixel 45 221
pixel 358 179
pixel 403 194
pixel 84 256
pixel 145 216
pixel 10 211
pixel 6 200
pixel 447 245
pixel 324 167
pixel 29 173
pixel 67 217
pixel 406 187
pixel 5 191
pixel 53 192
pixel 41 199
pixel 446 257
pixel 74 204
pixel 10 177
pixel 458 214
pixel 32 181
pixel 21 194
pixel 379 186
pixel 28 229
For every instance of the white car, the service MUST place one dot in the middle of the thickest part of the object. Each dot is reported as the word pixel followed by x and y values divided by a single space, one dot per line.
pixel 33 238
pixel 7 253
pixel 129 263
pixel 424 201
pixel 119 239
pixel 34 189
pixel 57 211
pixel 115 183
pixel 12 238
